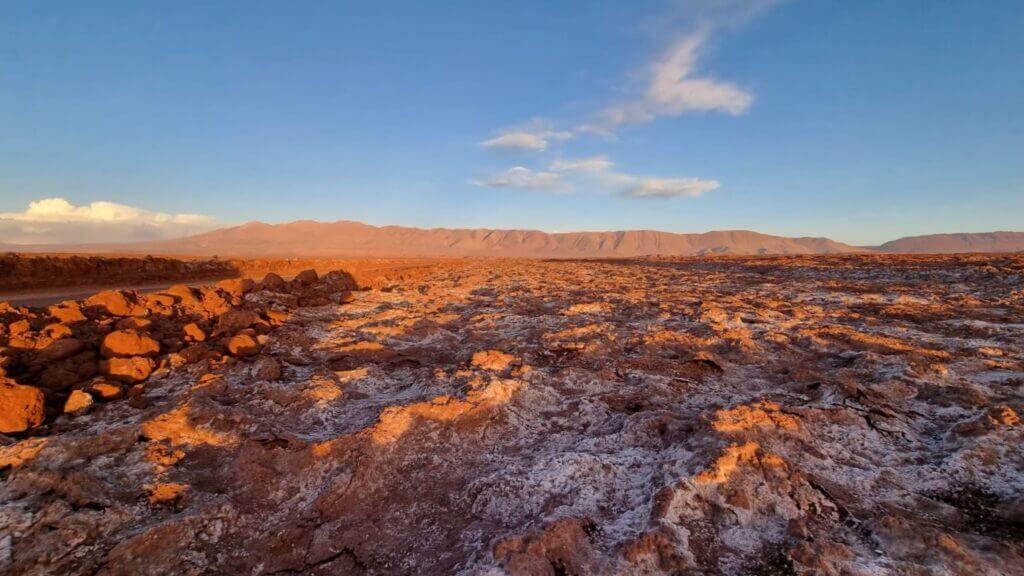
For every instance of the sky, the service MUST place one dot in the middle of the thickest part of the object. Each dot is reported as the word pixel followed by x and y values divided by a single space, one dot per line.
pixel 860 121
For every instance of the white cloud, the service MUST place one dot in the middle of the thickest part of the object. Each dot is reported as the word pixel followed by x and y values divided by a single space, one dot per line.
pixel 670 187
pixel 672 90
pixel 596 174
pixel 526 139
pixel 57 221
pixel 522 177
pixel 592 164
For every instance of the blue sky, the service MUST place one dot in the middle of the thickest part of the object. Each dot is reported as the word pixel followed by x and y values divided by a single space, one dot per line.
pixel 860 121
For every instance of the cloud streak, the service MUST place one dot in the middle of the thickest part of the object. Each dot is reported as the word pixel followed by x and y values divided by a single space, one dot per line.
pixel 525 139
pixel 57 221
pixel 525 179
pixel 596 173
pixel 673 89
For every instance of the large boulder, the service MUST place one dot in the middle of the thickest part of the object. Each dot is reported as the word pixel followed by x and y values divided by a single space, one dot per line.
pixel 125 343
pixel 214 302
pixel 21 407
pixel 67 312
pixel 117 303
pixel 271 282
pixel 340 280
pixel 307 277
pixel 61 349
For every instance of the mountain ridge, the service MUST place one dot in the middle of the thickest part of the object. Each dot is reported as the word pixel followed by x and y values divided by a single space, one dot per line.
pixel 349 238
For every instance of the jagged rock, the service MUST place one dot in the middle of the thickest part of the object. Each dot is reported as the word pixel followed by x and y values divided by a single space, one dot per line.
pixel 67 312
pixel 495 360
pixel 58 378
pixel 129 370
pixel 125 343
pixel 193 332
pixel 105 390
pixel 19 327
pixel 78 401
pixel 62 349
pixel 117 303
pixel 137 324
pixel 21 407
pixel 271 282
pixel 242 345
pixel 237 286
pixel 266 368
pixel 306 277
pixel 234 320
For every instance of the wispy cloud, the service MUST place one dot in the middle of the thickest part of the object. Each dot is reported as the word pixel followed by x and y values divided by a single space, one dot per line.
pixel 673 89
pixel 534 137
pixel 596 173
pixel 670 187
pixel 55 220
pixel 526 179
pixel 671 83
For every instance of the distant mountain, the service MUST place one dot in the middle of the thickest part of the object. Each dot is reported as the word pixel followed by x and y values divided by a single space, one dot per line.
pixel 333 239
pixel 310 239
pixel 956 243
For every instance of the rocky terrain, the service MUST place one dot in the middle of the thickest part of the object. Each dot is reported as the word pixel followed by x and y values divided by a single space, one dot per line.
pixel 832 415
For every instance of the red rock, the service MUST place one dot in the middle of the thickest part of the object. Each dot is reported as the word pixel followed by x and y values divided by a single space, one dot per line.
pixel 135 369
pixel 140 324
pixel 193 332
pixel 266 368
pixel 126 343
pixel 19 327
pixel 67 312
pixel 192 354
pixel 117 303
pixel 235 320
pixel 214 302
pixel 62 349
pixel 58 378
pixel 495 360
pixel 271 282
pixel 187 298
pixel 237 286
pixel 78 401
pixel 307 277
pixel 56 331
pixel 243 345
pixel 340 279
pixel 159 303
pixel 21 407
pixel 278 317
pixel 106 390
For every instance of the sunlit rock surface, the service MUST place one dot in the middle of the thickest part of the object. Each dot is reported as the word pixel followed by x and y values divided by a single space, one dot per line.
pixel 848 415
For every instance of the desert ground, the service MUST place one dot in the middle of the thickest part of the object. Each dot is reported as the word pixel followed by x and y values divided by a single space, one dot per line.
pixel 819 414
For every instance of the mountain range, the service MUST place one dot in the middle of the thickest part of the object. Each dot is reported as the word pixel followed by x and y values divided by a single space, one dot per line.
pixel 306 238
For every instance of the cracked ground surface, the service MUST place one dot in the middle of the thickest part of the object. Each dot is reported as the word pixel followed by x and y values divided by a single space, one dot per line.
pixel 780 415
